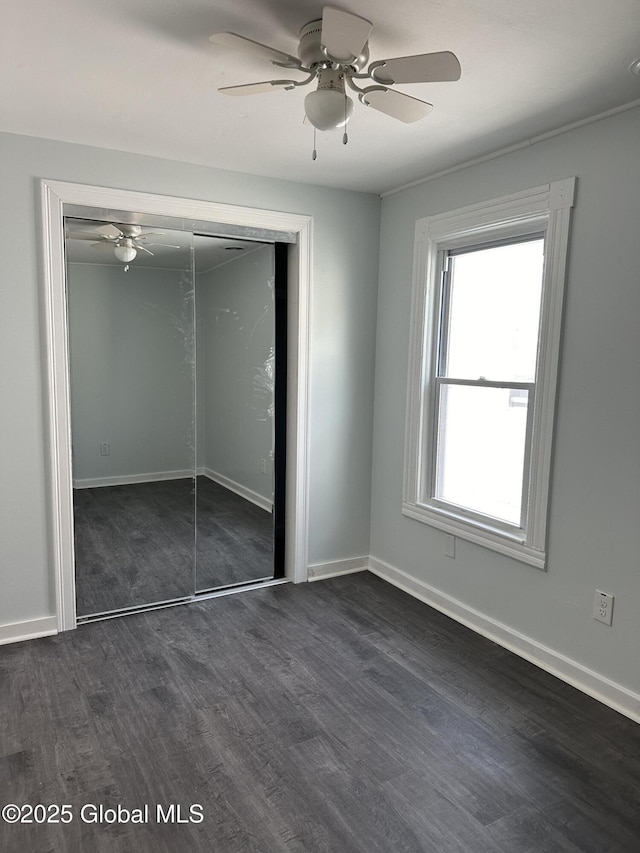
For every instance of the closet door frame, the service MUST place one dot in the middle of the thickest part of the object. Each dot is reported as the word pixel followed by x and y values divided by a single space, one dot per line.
pixel 60 199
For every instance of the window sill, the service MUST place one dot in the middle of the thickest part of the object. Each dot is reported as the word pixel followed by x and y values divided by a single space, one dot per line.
pixel 503 542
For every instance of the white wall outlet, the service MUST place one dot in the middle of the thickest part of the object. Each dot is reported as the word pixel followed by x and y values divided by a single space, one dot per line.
pixel 105 448
pixel 603 607
pixel 263 466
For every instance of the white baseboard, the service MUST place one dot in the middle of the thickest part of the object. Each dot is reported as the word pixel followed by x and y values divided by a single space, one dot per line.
pixel 321 571
pixel 131 479
pixel 30 630
pixel 608 692
pixel 238 489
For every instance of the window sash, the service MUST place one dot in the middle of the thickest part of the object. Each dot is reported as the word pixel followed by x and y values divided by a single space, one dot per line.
pixel 433 474
pixel 445 257
pixel 433 423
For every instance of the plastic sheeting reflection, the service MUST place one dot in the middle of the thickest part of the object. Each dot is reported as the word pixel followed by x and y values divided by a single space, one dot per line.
pixel 263 386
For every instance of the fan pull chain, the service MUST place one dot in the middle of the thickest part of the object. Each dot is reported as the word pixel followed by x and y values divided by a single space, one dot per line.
pixel 314 156
pixel 345 137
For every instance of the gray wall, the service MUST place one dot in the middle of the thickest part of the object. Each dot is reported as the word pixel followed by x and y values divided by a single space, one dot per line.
pixel 343 310
pixel 594 531
pixel 132 364
pixel 235 342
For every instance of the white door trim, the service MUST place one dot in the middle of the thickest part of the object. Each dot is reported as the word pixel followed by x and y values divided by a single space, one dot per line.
pixel 54 196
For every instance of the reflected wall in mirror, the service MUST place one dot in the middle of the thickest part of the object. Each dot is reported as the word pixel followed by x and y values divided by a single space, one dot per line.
pixel 235 371
pixel 172 409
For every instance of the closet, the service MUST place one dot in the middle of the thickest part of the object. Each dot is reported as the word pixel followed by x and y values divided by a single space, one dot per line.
pixel 177 363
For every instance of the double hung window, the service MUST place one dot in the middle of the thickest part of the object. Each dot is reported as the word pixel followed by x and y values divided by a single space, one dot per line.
pixel 487 306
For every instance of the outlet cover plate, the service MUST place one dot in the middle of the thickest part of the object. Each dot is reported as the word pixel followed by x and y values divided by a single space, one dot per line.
pixel 603 607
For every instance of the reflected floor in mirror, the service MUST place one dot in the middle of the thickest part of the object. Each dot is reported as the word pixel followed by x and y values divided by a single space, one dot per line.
pixel 134 543
pixel 234 542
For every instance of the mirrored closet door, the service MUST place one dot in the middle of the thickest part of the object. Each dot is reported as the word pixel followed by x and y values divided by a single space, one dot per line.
pixel 235 410
pixel 172 366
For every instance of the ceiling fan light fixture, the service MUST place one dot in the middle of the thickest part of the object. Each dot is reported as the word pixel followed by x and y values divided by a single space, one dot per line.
pixel 125 252
pixel 328 107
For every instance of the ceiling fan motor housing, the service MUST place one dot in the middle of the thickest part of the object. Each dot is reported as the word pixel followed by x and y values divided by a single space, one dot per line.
pixel 311 53
pixel 131 230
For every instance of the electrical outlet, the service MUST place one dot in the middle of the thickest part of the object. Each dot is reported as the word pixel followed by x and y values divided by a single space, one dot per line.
pixel 603 607
pixel 263 466
pixel 105 448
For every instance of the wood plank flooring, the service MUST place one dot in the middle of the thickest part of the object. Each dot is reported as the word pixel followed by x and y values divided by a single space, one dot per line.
pixel 339 716
pixel 143 543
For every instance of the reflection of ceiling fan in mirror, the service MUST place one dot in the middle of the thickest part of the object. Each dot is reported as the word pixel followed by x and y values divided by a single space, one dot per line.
pixel 124 240
pixel 333 52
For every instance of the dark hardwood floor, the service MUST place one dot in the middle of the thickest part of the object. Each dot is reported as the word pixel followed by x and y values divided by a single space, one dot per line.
pixel 151 542
pixel 339 716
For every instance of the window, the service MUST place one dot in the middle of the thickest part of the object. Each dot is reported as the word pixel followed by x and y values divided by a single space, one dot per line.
pixel 487 306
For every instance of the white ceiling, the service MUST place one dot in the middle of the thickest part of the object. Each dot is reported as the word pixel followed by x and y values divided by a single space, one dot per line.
pixel 142 77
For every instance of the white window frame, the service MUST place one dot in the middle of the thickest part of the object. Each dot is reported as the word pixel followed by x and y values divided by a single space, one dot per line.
pixel 542 211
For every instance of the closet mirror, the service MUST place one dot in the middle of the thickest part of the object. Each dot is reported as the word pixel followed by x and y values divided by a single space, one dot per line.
pixel 235 376
pixel 172 360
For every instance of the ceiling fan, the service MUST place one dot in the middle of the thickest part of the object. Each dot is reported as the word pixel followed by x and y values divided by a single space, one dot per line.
pixel 124 240
pixel 333 51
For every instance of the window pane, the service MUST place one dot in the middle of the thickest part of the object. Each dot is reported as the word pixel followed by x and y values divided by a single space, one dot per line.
pixel 494 312
pixel 481 447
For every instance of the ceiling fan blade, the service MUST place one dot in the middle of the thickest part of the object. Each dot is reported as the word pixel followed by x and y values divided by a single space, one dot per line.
pixel 104 246
pixel 163 245
pixel 344 35
pixel 140 248
pixel 82 235
pixel 148 233
pixel 109 231
pixel 237 42
pixel 395 104
pixel 423 68
pixel 256 88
